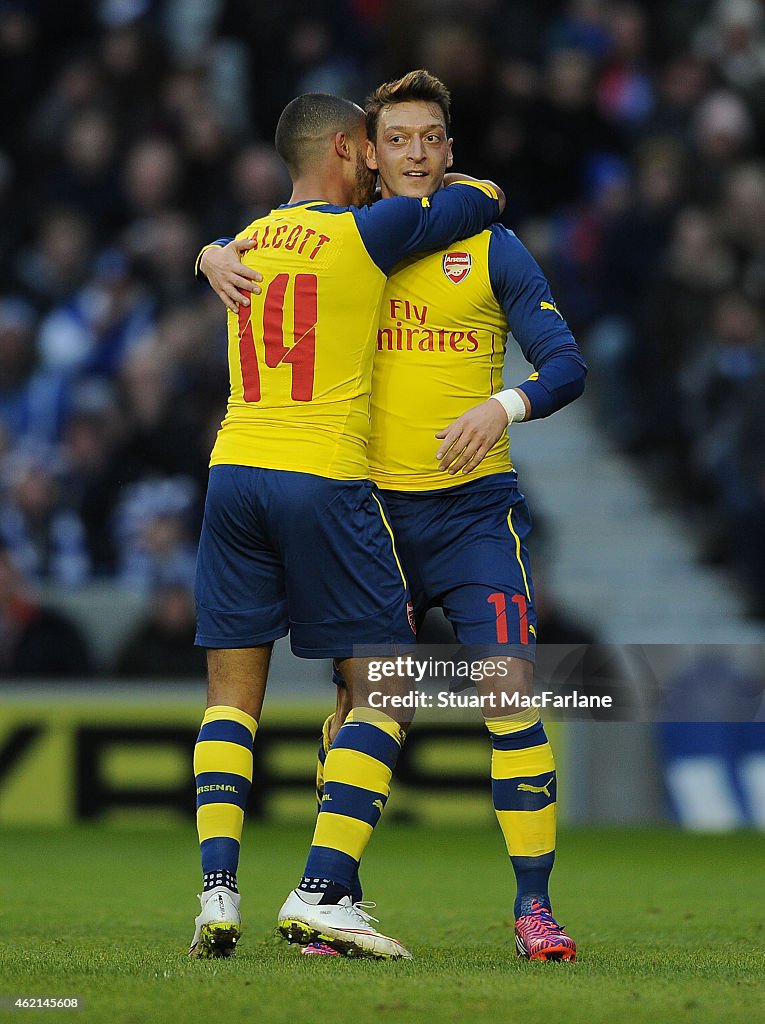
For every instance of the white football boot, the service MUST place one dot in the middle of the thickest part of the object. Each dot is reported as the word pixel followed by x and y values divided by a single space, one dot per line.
pixel 345 926
pixel 218 925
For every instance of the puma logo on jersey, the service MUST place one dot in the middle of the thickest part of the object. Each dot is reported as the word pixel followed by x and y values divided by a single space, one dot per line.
pixel 379 805
pixel 526 788
pixel 552 306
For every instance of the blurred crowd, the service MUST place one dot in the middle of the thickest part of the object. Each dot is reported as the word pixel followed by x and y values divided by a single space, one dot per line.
pixel 627 135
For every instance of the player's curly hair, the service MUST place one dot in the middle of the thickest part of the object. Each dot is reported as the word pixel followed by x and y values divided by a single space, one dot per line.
pixel 415 86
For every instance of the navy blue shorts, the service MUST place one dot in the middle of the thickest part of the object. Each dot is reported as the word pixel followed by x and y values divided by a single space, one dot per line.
pixel 291 552
pixel 464 550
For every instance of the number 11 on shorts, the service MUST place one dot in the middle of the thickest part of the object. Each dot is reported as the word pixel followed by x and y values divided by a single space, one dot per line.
pixel 500 606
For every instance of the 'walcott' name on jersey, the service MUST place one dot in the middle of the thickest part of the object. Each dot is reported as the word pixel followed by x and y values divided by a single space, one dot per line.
pixel 291 237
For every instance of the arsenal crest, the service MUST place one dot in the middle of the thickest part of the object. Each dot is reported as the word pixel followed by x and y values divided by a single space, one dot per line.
pixel 457 266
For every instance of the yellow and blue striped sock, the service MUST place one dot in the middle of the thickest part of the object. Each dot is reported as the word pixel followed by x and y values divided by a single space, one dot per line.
pixel 357 893
pixel 357 774
pixel 223 772
pixel 524 788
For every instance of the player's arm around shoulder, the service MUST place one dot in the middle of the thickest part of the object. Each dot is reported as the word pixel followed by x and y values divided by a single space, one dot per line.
pixel 490 187
pixel 231 279
pixel 394 228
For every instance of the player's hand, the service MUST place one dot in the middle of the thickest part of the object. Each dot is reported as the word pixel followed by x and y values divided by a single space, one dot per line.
pixel 454 178
pixel 468 440
pixel 229 278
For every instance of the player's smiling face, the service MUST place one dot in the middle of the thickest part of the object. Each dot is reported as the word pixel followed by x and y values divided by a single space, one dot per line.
pixel 412 150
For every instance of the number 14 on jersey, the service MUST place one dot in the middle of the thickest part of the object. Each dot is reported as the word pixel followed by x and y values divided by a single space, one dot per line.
pixel 300 355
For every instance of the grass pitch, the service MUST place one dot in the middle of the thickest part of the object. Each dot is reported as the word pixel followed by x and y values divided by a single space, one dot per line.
pixel 669 928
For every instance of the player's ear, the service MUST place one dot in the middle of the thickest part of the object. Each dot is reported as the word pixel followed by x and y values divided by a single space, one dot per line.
pixel 343 146
pixel 449 154
pixel 371 156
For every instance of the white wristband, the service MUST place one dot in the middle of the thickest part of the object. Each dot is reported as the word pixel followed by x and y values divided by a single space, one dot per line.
pixel 513 405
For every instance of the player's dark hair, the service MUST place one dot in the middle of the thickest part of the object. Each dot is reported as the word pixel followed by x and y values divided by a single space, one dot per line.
pixel 306 121
pixel 415 86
